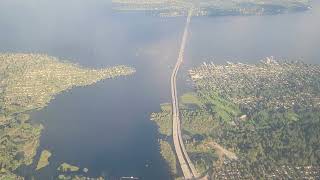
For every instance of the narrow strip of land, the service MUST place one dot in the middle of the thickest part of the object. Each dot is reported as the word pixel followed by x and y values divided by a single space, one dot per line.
pixel 187 167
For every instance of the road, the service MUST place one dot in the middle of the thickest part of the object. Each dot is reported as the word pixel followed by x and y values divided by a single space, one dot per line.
pixel 187 167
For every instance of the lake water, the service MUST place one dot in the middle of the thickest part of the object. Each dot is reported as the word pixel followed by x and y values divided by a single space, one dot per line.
pixel 106 127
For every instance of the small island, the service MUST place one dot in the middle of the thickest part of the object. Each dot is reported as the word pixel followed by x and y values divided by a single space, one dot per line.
pixel 44 159
pixel 29 82
pixel 77 177
pixel 249 121
pixel 65 167
pixel 71 172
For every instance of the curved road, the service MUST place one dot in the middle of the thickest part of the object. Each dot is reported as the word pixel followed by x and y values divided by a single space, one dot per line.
pixel 187 167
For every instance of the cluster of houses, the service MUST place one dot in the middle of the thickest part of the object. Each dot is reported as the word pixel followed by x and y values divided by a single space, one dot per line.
pixel 269 84
pixel 236 170
pixel 32 79
pixel 173 8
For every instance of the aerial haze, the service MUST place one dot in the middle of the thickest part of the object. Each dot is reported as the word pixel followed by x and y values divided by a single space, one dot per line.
pixel 117 123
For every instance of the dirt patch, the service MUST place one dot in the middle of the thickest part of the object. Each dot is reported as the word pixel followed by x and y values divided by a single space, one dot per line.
pixel 222 152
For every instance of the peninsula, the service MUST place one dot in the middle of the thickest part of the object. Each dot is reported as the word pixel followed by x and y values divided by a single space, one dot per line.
pixel 29 82
pixel 249 121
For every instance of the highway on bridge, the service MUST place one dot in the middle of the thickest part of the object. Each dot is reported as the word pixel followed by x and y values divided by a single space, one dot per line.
pixel 187 167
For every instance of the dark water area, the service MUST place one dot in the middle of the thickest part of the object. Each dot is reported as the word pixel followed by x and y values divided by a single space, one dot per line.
pixel 106 127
